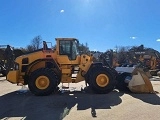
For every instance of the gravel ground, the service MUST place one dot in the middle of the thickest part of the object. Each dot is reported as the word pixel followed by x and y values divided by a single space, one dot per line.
pixel 17 104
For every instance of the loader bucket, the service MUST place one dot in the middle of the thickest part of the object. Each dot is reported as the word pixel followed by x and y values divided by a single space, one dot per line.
pixel 140 82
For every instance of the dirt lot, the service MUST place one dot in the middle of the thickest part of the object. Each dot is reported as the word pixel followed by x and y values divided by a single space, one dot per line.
pixel 16 104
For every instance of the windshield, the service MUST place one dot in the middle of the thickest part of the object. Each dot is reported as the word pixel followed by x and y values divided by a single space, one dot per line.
pixel 69 48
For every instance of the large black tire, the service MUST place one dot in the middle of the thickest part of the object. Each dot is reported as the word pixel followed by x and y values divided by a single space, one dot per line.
pixel 101 80
pixel 120 82
pixel 43 82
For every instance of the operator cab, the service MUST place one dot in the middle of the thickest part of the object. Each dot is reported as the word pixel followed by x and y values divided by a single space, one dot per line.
pixel 68 47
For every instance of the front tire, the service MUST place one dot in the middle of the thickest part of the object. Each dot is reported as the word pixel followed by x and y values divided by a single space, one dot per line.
pixel 43 82
pixel 101 80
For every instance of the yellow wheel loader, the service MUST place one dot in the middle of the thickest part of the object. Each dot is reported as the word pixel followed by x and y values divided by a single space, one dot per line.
pixel 43 70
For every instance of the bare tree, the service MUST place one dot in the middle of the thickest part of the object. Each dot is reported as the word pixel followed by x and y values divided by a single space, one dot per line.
pixel 35 44
pixel 29 48
pixel 84 49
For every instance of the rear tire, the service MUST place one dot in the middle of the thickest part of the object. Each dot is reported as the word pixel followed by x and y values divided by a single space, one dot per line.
pixel 43 82
pixel 101 80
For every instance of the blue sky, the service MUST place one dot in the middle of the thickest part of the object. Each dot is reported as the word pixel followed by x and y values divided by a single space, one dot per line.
pixel 102 24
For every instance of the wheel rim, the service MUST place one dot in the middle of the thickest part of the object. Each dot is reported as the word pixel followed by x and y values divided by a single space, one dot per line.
pixel 102 80
pixel 42 82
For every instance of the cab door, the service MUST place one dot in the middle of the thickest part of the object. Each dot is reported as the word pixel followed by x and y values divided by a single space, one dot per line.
pixel 68 52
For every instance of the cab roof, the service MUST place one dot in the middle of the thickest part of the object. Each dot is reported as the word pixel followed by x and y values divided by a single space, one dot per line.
pixel 66 39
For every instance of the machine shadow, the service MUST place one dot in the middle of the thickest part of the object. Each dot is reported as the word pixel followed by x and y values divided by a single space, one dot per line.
pixel 153 99
pixel 55 106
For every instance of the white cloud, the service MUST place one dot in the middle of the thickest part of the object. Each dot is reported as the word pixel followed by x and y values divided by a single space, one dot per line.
pixel 133 38
pixel 158 40
pixel 61 11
